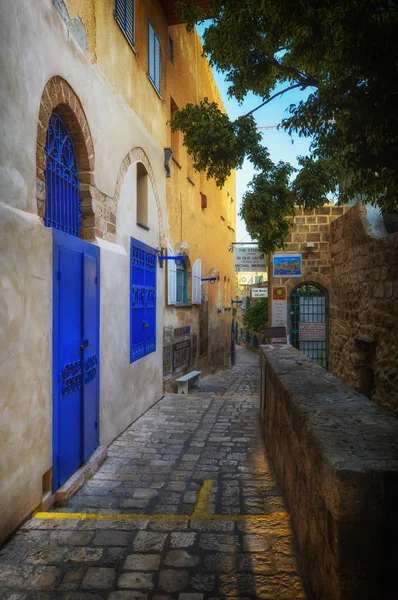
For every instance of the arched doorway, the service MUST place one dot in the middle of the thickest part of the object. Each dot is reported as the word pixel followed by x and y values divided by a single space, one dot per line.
pixel 65 160
pixel 309 321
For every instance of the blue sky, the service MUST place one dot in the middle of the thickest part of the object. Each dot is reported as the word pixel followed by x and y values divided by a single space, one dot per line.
pixel 279 143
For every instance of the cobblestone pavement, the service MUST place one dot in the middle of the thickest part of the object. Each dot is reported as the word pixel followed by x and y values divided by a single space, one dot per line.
pixel 184 507
pixel 241 380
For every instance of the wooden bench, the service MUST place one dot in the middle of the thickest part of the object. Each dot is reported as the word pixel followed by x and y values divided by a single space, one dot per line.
pixel 183 382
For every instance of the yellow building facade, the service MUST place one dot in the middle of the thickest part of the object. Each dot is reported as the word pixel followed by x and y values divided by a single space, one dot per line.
pixel 87 92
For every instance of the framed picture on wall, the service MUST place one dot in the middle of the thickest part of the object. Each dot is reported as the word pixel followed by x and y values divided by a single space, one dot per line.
pixel 287 265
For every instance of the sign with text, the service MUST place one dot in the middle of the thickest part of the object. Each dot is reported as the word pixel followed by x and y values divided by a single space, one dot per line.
pixel 312 332
pixel 279 309
pixel 259 292
pixel 288 265
pixel 249 259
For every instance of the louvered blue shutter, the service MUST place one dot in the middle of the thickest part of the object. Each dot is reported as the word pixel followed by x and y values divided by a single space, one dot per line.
pixel 142 300
pixel 197 282
pixel 157 63
pixel 124 15
pixel 151 53
pixel 171 279
pixel 153 57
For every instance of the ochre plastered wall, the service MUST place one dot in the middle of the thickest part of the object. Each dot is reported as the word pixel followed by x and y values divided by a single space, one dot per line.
pixel 364 307
pixel 209 231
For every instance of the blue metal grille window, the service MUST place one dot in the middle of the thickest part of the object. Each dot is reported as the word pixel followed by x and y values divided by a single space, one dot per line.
pixel 124 15
pixel 182 282
pixel 142 300
pixel 62 183
pixel 153 57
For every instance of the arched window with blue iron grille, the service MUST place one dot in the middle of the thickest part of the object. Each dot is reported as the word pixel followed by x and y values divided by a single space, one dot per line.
pixel 62 182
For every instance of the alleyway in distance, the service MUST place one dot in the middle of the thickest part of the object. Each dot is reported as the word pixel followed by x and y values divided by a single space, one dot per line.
pixel 184 507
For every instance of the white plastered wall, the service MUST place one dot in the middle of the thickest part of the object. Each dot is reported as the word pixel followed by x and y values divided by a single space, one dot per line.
pixel 34 47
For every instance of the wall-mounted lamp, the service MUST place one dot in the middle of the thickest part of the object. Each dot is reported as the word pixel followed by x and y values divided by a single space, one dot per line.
pixel 181 250
pixel 167 155
pixel 310 245
pixel 213 276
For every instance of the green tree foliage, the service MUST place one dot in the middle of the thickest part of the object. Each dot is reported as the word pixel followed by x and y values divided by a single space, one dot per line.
pixel 255 319
pixel 345 53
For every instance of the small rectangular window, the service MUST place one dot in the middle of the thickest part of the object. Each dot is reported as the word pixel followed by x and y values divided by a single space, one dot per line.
pixel 142 195
pixel 124 15
pixel 153 57
pixel 170 49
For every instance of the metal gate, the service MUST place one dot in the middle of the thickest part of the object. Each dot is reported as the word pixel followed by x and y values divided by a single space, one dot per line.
pixel 309 321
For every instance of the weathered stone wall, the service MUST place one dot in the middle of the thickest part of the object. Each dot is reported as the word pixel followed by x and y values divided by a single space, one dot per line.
pixel 335 455
pixel 364 308
pixel 309 226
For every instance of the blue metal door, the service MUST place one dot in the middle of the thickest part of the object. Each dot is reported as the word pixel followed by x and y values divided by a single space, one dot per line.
pixel 75 354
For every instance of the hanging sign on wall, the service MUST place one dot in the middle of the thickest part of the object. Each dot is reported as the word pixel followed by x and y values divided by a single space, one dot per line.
pixel 249 259
pixel 288 265
pixel 259 292
pixel 312 332
pixel 279 308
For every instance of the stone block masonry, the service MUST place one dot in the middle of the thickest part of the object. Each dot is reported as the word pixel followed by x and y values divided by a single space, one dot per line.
pixel 364 308
pixel 335 457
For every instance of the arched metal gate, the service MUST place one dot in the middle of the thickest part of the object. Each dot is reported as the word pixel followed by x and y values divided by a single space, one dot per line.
pixel 309 321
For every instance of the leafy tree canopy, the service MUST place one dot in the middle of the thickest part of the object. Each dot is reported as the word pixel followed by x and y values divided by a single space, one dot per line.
pixel 255 319
pixel 345 53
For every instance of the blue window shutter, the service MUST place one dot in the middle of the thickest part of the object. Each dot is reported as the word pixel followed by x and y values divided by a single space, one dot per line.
pixel 142 300
pixel 197 282
pixel 153 57
pixel 124 15
pixel 171 279
pixel 157 63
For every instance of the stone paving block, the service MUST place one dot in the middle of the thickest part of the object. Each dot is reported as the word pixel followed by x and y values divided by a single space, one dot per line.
pixel 100 578
pixel 72 579
pixel 84 554
pixel 255 543
pixel 219 542
pixel 181 558
pixel 136 580
pixel 171 580
pixel 28 577
pixel 142 562
pixel 111 538
pixel 147 541
pixel 220 563
pixel 190 596
pixel 204 582
pixel 182 540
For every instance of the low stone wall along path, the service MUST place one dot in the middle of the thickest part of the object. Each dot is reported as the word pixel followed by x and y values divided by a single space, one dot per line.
pixel 185 507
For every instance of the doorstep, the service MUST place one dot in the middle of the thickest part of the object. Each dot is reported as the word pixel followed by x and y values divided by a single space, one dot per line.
pixel 74 483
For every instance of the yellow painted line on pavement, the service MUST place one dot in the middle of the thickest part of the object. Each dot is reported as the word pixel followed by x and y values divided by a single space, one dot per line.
pixel 201 508
pixel 200 513
pixel 108 516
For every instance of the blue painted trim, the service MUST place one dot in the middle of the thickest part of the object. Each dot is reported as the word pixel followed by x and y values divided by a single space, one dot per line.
pixel 63 239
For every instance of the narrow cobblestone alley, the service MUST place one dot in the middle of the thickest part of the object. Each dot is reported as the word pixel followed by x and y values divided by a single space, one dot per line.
pixel 184 507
